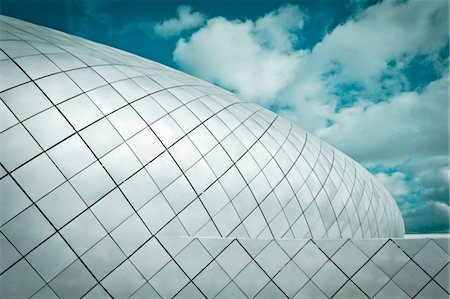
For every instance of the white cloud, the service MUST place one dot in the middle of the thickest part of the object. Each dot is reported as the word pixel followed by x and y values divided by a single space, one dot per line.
pixel 255 59
pixel 394 182
pixel 385 123
pixel 408 124
pixel 185 20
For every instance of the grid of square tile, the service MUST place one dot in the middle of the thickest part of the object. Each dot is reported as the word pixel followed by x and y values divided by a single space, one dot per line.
pixel 186 267
pixel 104 149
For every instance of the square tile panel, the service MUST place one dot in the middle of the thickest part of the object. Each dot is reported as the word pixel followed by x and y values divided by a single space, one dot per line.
pixel 66 286
pixel 83 232
pixel 390 258
pixel 123 281
pixel 310 259
pixel 127 122
pixel 20 281
pixel 49 127
pixel 92 183
pixel 131 234
pixel 329 279
pixel 61 205
pixel 156 213
pixel 103 258
pixel 167 130
pixel 139 189
pixel 193 258
pixel 25 100
pixel 101 137
pixel 86 78
pixel 251 279
pixel 349 258
pixel 38 177
pixel 129 90
pixel 37 66
pixel 169 280
pixel 411 278
pixel 106 99
pixel 71 156
pixel 80 111
pixel 58 87
pixel 212 287
pixel 370 279
pixel 51 257
pixel 150 258
pixel 430 258
pixel 27 230
pixel 121 163
pixel 112 209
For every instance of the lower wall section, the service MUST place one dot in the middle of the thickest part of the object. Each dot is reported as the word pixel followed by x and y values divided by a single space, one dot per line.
pixel 239 268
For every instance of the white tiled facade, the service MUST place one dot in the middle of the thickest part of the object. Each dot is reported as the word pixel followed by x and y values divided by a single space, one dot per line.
pixel 108 159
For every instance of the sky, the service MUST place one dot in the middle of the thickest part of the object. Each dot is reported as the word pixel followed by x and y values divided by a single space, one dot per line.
pixel 369 77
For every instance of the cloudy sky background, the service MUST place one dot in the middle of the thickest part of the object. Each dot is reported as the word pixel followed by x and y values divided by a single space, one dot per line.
pixel 369 77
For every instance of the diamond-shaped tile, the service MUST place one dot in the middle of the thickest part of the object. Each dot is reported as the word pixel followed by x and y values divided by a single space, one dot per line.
pixel 432 290
pixel 329 279
pixel 391 290
pixel 169 280
pixel 146 291
pixel 390 258
pixel 189 291
pixel 290 279
pixel 270 291
pixel 310 259
pixel 310 291
pixel 251 280
pixel 96 293
pixel 193 258
pixel 231 291
pixel 272 259
pixel 150 258
pixel 123 281
pixel 370 278
pixel 212 280
pixel 349 290
pixel 233 259
pixel 442 278
pixel 349 258
pixel 411 278
pixel 431 258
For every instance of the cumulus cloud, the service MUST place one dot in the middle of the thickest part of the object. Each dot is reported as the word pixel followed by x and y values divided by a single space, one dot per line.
pixel 185 20
pixel 255 59
pixel 412 123
pixel 394 182
pixel 351 89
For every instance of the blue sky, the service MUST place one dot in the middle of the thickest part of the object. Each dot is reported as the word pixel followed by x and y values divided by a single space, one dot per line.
pixel 369 77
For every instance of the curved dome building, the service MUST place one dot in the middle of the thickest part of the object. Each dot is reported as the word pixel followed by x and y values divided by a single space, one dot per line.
pixel 112 164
